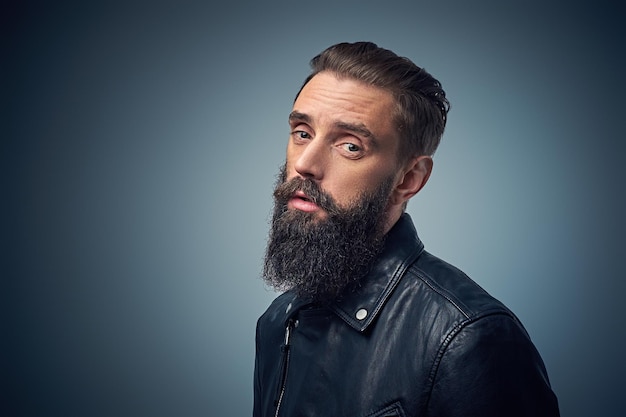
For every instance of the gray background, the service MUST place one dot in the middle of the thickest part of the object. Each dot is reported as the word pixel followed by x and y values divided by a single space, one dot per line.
pixel 140 143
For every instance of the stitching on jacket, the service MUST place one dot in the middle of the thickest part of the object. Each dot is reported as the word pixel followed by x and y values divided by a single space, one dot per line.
pixel 438 290
pixel 443 348
pixel 394 409
pixel 397 276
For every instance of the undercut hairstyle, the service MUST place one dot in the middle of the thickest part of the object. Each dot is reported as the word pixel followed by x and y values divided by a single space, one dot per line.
pixel 421 104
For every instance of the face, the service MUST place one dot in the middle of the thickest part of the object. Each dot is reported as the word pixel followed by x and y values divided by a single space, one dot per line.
pixel 343 138
pixel 341 190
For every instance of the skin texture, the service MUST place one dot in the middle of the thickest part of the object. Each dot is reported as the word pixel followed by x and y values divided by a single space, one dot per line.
pixel 342 135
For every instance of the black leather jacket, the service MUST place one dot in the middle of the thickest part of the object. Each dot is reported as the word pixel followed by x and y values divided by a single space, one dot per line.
pixel 419 338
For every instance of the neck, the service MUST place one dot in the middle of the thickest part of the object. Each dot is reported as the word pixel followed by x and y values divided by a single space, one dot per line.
pixel 393 215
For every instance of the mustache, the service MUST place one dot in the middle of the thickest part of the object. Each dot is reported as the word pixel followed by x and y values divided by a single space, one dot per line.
pixel 313 191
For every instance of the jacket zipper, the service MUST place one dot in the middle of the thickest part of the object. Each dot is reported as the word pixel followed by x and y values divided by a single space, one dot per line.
pixel 284 349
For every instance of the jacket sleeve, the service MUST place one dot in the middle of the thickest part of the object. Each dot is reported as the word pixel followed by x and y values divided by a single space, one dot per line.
pixel 490 367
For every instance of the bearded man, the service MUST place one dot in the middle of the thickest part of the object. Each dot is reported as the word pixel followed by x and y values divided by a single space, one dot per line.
pixel 369 323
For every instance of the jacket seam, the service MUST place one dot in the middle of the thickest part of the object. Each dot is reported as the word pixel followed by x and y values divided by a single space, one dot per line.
pixel 439 291
pixel 443 348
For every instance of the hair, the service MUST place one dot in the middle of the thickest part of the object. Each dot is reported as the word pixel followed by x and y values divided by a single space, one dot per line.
pixel 422 107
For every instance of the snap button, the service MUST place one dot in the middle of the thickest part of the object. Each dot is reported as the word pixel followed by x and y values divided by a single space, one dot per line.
pixel 361 314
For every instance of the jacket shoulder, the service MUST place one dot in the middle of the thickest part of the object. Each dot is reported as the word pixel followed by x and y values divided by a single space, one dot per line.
pixel 456 289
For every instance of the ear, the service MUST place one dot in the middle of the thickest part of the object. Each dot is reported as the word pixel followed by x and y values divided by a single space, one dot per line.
pixel 414 177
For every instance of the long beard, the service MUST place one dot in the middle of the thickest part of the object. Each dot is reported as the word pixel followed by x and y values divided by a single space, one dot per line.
pixel 321 258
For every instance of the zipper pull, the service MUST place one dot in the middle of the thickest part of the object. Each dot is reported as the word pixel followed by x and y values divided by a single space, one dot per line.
pixel 288 333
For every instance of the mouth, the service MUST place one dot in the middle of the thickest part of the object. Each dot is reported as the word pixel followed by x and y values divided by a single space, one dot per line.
pixel 302 196
pixel 301 201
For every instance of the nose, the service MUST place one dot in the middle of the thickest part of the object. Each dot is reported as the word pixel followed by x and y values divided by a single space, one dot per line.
pixel 310 159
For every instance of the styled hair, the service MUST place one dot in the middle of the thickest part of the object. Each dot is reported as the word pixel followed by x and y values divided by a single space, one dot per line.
pixel 422 107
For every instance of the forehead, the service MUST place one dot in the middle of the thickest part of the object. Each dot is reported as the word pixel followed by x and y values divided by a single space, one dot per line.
pixel 329 99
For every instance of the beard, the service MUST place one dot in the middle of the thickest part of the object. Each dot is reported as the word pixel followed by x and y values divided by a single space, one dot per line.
pixel 321 258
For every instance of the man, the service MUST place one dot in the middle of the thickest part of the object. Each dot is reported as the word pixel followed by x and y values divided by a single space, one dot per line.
pixel 370 324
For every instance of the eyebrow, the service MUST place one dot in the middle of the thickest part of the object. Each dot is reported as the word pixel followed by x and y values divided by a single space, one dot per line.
pixel 296 116
pixel 358 128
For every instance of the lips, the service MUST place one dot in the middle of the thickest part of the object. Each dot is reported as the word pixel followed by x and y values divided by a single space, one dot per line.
pixel 302 195
pixel 301 201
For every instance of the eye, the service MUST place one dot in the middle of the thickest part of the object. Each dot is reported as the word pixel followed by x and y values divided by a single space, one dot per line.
pixel 351 150
pixel 301 134
pixel 351 147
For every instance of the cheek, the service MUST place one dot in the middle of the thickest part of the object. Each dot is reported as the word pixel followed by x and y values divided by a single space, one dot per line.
pixel 290 171
pixel 290 160
pixel 347 188
pixel 368 182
